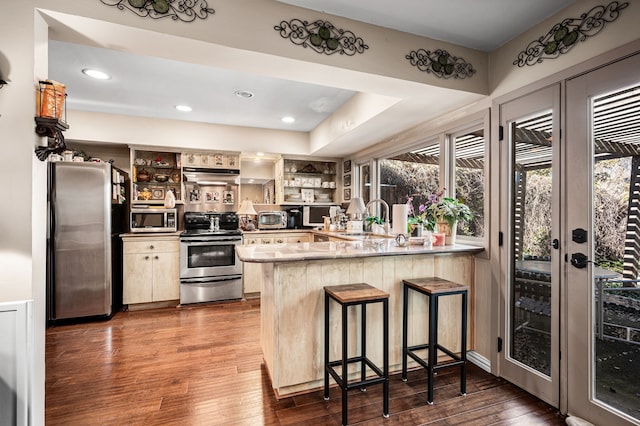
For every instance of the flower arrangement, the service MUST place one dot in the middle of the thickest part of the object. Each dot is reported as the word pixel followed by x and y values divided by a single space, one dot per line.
pixel 438 208
pixel 424 214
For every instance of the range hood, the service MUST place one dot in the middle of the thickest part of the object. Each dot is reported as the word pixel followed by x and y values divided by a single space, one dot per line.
pixel 203 176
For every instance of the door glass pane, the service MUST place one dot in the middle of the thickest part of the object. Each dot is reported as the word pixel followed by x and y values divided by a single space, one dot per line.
pixel 469 179
pixel 616 250
pixel 530 284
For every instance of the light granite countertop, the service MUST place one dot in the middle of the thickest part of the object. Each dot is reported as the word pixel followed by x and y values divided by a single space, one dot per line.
pixel 372 247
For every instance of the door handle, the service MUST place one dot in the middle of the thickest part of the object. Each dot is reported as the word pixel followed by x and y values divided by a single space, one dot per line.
pixel 579 260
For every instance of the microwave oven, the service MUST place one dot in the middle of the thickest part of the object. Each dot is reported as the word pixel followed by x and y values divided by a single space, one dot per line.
pixel 313 216
pixel 272 219
pixel 153 219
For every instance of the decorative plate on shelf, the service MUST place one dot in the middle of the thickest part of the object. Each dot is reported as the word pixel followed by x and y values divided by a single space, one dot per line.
pixel 157 194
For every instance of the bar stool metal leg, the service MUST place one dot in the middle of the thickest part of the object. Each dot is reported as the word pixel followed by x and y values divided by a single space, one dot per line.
pixel 405 326
pixel 363 339
pixel 433 350
pixel 385 358
pixel 326 347
pixel 463 352
pixel 345 372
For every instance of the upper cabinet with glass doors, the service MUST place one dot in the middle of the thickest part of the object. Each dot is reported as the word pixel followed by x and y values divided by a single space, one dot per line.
pixel 302 181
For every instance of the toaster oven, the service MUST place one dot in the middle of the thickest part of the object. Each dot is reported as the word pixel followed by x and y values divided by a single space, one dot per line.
pixel 272 219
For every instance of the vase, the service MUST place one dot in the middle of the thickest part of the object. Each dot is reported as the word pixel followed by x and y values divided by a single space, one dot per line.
pixel 448 230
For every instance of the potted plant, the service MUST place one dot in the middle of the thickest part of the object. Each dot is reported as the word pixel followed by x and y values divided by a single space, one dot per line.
pixel 419 220
pixel 447 212
pixel 370 220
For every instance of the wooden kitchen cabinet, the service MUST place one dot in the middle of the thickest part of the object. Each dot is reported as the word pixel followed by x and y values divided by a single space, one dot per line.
pixel 151 269
pixel 298 181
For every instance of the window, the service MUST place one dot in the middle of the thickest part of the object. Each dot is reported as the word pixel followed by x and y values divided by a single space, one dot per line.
pixel 365 182
pixel 453 157
pixel 413 174
pixel 469 178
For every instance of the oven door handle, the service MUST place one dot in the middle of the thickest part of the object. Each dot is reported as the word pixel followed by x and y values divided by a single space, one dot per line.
pixel 217 241
pixel 206 280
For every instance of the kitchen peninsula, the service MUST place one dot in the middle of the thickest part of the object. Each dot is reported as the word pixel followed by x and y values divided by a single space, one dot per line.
pixel 292 280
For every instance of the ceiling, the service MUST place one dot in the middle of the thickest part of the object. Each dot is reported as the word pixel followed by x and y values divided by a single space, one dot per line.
pixel 148 86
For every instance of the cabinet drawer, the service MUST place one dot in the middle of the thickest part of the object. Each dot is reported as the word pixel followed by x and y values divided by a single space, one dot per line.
pixel 302 238
pixel 147 246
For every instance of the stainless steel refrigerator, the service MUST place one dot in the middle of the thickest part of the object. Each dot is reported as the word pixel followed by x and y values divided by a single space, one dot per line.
pixel 83 257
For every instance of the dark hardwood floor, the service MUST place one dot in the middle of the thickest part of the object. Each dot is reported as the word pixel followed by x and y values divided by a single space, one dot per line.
pixel 203 365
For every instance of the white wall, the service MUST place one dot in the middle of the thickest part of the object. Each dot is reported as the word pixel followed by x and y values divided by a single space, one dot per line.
pixel 23 226
pixel 141 131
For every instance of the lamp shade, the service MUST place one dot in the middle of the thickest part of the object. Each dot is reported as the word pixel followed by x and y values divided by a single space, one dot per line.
pixel 246 208
pixel 356 206
pixel 400 218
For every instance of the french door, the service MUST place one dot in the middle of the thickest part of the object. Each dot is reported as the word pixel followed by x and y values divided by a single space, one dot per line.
pixel 602 324
pixel 530 222
pixel 570 258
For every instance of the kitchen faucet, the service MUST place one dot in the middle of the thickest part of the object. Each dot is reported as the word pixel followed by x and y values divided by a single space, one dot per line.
pixel 386 210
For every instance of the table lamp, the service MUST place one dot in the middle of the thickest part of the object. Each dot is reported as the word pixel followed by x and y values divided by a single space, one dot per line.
pixel 246 209
pixel 356 209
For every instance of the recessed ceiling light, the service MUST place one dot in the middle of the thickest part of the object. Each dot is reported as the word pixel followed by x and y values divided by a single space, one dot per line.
pixel 288 119
pixel 260 154
pixel 98 75
pixel 184 108
pixel 244 94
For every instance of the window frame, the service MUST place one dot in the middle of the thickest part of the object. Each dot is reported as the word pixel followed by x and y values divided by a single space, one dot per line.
pixel 451 177
pixel 444 135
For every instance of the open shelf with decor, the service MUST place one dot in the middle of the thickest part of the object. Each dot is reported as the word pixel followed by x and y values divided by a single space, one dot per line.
pixel 153 173
pixel 301 181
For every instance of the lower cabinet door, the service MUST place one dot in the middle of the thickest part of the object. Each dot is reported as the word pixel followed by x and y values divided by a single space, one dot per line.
pixel 137 278
pixel 166 273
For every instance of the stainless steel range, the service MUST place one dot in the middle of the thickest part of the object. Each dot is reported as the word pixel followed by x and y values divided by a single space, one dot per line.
pixel 209 266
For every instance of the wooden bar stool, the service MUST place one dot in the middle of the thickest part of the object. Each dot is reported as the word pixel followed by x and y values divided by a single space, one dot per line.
pixel 434 288
pixel 360 294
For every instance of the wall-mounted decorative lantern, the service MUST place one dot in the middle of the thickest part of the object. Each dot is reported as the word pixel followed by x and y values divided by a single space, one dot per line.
pixel 321 36
pixel 51 100
pixel 563 36
pixel 178 10
pixel 440 63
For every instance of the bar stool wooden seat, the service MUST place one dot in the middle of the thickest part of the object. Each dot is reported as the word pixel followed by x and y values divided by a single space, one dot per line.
pixel 360 294
pixel 434 288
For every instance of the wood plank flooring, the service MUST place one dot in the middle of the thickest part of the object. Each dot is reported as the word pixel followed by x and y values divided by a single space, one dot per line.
pixel 202 365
